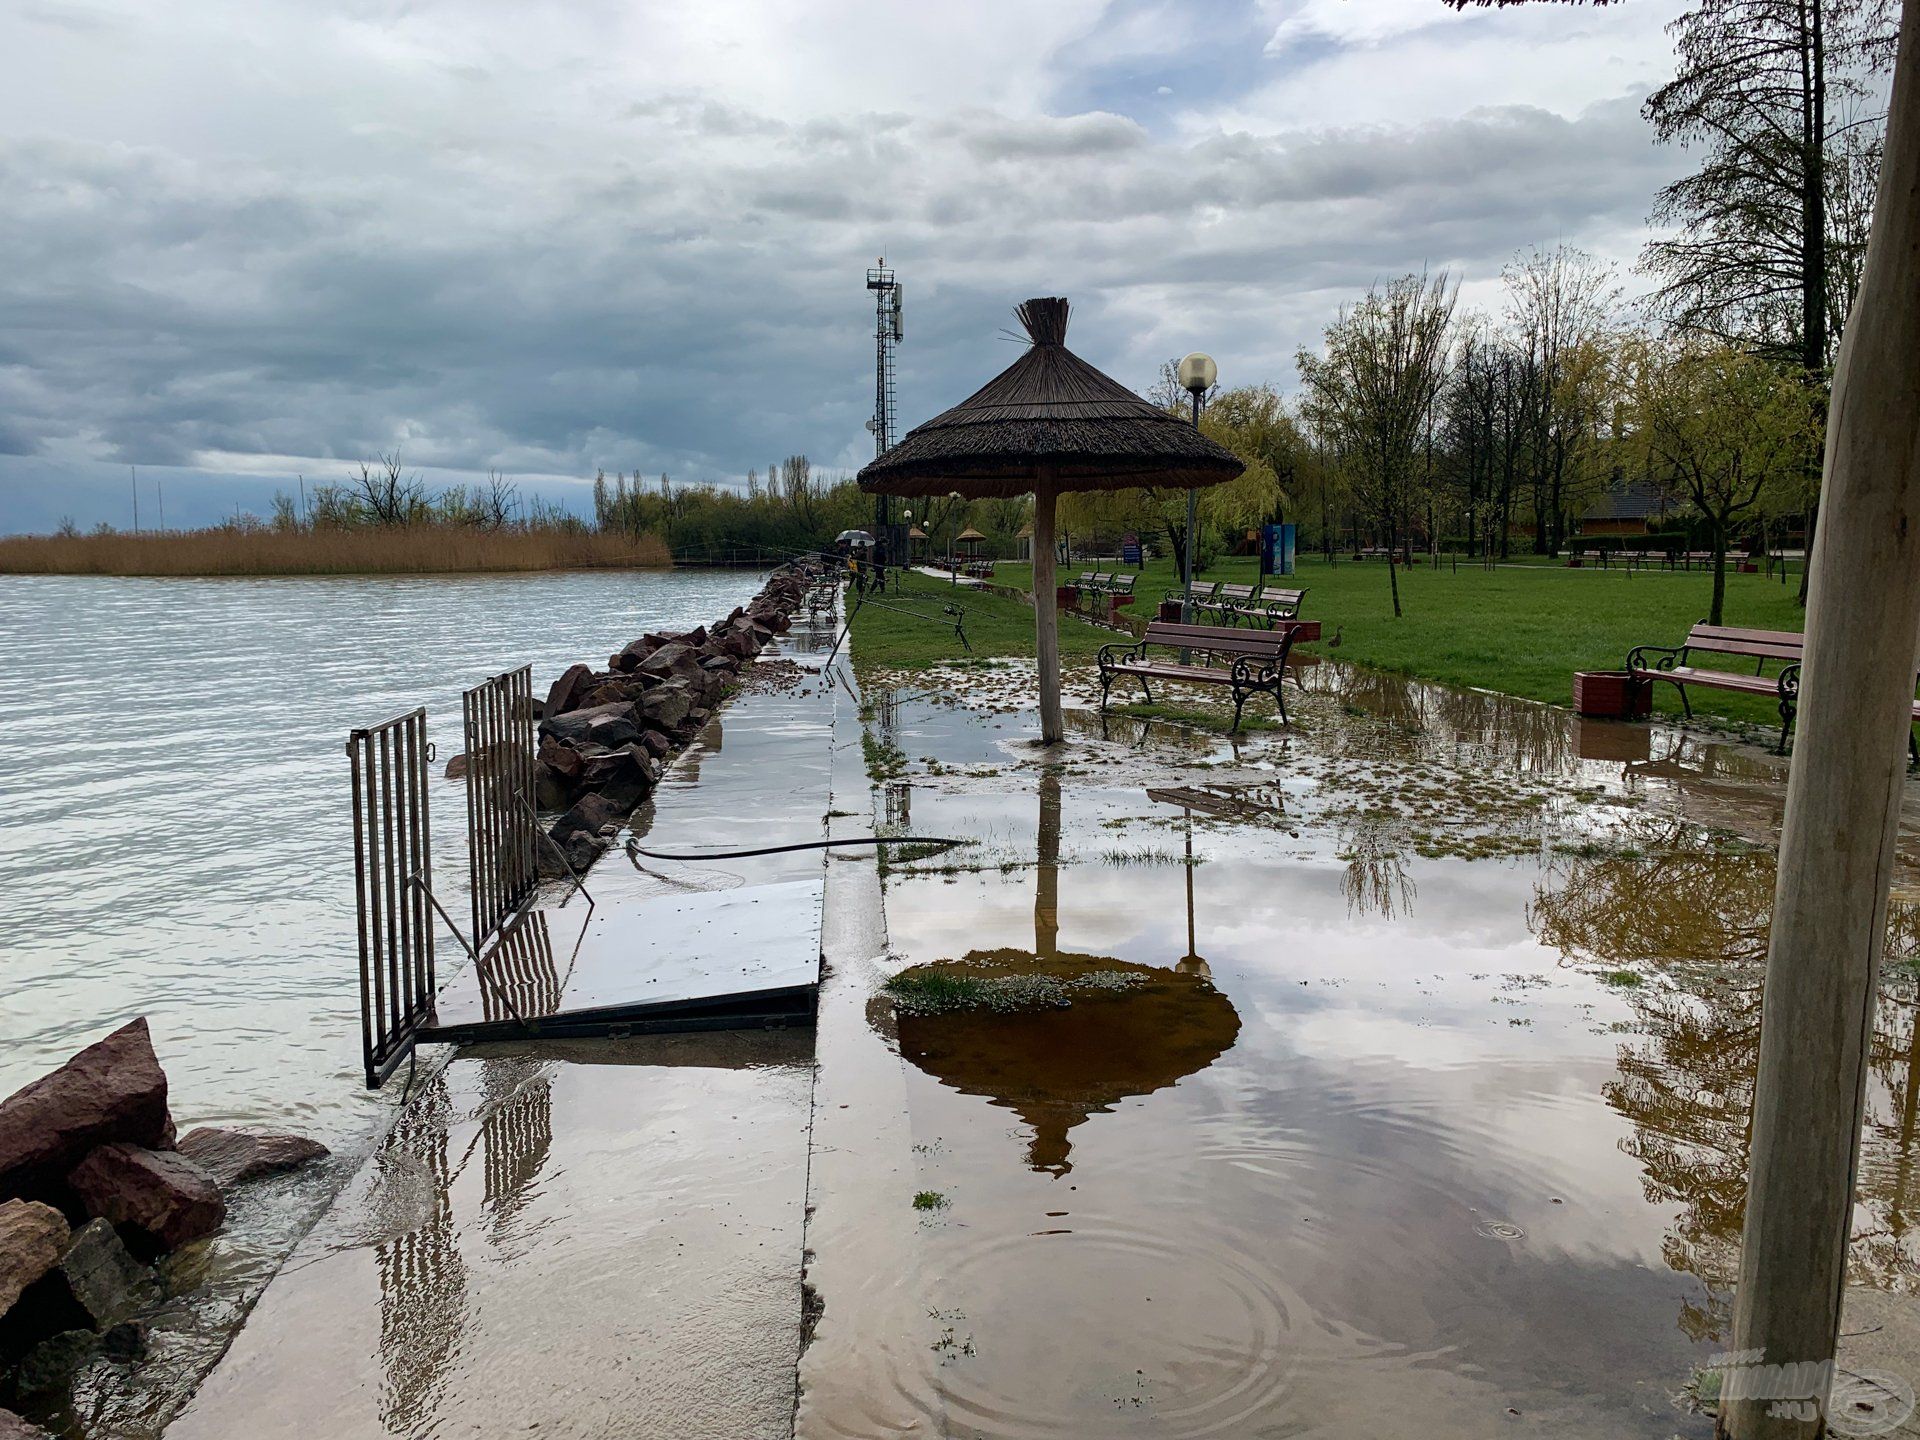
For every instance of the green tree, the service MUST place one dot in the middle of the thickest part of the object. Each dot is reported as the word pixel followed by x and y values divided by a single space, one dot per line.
pixel 1723 428
pixel 1371 392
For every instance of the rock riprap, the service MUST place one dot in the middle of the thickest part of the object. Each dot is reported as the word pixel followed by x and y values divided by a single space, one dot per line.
pixel 606 735
pixel 93 1187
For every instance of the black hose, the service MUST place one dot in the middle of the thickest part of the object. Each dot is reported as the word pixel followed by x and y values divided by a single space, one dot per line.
pixel 634 848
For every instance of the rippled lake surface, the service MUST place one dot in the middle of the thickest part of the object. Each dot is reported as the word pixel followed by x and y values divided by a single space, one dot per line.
pixel 177 839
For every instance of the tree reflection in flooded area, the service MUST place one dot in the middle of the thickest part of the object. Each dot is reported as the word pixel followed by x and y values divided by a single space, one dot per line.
pixel 1687 928
pixel 1376 881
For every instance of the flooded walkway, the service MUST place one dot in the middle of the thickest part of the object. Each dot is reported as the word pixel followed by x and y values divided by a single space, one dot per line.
pixel 1388 1077
pixel 579 1238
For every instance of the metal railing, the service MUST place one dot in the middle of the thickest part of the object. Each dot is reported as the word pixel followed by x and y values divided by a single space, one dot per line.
pixel 393 879
pixel 502 826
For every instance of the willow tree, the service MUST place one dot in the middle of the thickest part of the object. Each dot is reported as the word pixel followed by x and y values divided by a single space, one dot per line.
pixel 1842 815
pixel 1723 429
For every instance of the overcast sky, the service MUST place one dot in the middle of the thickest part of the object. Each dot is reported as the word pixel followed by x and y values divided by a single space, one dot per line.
pixel 242 240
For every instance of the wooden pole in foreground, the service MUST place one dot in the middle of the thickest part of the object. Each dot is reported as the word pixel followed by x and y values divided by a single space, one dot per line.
pixel 1046 615
pixel 1842 816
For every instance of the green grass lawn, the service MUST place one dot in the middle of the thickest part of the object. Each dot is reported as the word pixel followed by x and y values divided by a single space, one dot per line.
pixel 1522 630
pixel 909 628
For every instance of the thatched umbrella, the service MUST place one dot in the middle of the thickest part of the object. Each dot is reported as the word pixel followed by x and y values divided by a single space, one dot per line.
pixel 1047 424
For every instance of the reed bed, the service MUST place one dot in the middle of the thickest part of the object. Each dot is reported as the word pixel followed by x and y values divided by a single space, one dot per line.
pixel 361 550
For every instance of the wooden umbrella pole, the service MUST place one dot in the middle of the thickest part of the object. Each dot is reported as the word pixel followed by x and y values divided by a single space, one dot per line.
pixel 1046 615
pixel 1842 817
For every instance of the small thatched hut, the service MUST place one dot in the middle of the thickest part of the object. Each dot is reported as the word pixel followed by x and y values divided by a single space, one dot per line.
pixel 1048 423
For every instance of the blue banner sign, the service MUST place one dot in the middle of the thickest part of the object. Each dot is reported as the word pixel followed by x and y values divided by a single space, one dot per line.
pixel 1277 549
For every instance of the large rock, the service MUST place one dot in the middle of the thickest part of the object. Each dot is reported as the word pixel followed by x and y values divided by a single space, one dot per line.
pixel 573 725
pixel 676 658
pixel 612 731
pixel 665 706
pixel 565 692
pixel 630 657
pixel 589 815
pixel 112 1090
pixel 49 1366
pixel 32 1236
pixel 233 1157
pixel 157 1199
pixel 624 776
pixel 12 1427
pixel 95 1285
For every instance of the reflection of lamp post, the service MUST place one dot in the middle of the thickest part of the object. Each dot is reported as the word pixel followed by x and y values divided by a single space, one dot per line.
pixel 1190 963
pixel 1197 374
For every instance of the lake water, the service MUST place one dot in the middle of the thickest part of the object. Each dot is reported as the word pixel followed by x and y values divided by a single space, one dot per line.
pixel 177 839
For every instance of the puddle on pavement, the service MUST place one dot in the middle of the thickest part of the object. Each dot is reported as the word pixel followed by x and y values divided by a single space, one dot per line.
pixel 1456 1144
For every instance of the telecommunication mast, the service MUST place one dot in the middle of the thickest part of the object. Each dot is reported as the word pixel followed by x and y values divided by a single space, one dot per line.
pixel 887 334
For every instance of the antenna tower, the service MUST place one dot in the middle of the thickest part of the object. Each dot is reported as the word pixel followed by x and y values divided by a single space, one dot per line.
pixel 887 333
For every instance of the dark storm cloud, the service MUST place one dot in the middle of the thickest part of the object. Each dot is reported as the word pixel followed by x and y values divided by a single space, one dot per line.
pixel 674 281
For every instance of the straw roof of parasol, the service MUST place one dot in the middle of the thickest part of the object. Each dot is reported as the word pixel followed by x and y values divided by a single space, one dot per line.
pixel 1048 423
pixel 1049 415
pixel 916 533
pixel 969 534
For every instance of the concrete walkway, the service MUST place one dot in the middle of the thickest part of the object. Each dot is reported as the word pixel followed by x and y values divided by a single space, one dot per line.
pixel 592 1238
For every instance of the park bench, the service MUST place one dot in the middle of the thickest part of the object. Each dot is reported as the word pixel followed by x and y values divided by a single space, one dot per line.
pixel 1274 605
pixel 1256 660
pixel 1674 664
pixel 1234 603
pixel 1227 600
pixel 1198 598
pixel 1121 586
pixel 1084 580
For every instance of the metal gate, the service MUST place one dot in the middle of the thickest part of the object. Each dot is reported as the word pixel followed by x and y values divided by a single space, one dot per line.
pixel 502 826
pixel 393 881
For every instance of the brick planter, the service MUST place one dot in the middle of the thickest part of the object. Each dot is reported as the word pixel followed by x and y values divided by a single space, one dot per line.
pixel 1170 611
pixel 1067 597
pixel 1611 695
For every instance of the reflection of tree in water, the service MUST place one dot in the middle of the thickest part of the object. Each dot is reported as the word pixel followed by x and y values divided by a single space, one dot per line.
pixel 1693 925
pixel 1513 733
pixel 1376 881
pixel 423 1281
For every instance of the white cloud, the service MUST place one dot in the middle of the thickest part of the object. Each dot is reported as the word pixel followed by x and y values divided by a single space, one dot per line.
pixel 550 238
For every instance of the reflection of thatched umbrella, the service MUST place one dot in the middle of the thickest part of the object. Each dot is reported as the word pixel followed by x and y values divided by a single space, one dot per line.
pixel 1134 1030
pixel 1049 423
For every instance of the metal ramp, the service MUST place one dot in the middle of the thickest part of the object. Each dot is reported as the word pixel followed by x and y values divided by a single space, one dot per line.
pixel 727 959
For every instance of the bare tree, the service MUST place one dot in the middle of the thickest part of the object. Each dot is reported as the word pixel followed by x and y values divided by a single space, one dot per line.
pixel 389 495
pixel 1560 304
pixel 1372 389
pixel 496 502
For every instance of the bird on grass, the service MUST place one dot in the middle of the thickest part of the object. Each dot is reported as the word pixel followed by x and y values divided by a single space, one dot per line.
pixel 1334 643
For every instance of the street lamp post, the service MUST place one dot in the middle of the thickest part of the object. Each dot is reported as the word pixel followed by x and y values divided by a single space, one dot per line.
pixel 953 541
pixel 1197 375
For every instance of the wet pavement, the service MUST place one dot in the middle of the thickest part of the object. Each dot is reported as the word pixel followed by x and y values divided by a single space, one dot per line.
pixel 1413 1101
pixel 1384 1076
pixel 588 1237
